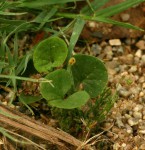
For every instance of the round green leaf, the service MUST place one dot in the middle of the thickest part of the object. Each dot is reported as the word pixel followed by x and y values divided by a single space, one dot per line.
pixel 77 99
pixel 57 95
pixel 62 83
pixel 89 74
pixel 49 53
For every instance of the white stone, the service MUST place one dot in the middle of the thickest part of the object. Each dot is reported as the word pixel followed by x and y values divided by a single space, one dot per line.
pixel 124 93
pixel 137 115
pixel 125 16
pixel 92 24
pixel 142 131
pixel 119 122
pixel 123 145
pixel 143 60
pixel 128 129
pixel 127 116
pixel 136 60
pixel 133 69
pixel 115 42
pixel 138 107
pixel 143 85
pixel 116 146
pixel 133 121
pixel 135 90
pixel 141 94
pixel 138 53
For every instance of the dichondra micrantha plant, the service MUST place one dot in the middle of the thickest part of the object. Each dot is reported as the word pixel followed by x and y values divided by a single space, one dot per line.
pixel 74 85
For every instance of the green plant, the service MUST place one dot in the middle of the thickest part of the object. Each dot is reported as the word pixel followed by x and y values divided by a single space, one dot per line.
pixel 44 14
pixel 86 81
pixel 88 119
pixel 75 78
pixel 84 77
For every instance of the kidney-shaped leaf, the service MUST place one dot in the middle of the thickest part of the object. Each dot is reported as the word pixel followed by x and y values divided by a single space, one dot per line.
pixel 89 74
pixel 62 83
pixel 73 101
pixel 57 95
pixel 49 53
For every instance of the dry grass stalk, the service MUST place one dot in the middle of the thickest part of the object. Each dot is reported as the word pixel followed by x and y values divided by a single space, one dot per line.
pixel 35 128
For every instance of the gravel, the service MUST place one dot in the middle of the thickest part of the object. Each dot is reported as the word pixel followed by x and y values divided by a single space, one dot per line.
pixel 115 42
pixel 125 60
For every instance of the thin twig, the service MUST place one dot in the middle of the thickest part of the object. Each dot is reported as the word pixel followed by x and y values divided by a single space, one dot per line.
pixel 25 139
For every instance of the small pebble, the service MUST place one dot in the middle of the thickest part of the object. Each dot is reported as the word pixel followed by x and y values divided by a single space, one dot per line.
pixel 128 41
pixel 137 115
pixel 129 129
pixel 110 134
pixel 141 80
pixel 120 50
pixel 142 131
pixel 143 112
pixel 141 94
pixel 142 126
pixel 143 85
pixel 142 147
pixel 133 69
pixel 96 49
pixel 143 60
pixel 138 53
pixel 133 121
pixel 127 116
pixel 5 103
pixel 115 42
pixel 116 146
pixel 123 145
pixel 127 60
pixel 107 125
pixel 135 90
pixel 124 93
pixel 136 60
pixel 141 44
pixel 92 24
pixel 119 122
pixel 138 107
pixel 125 16
pixel 118 87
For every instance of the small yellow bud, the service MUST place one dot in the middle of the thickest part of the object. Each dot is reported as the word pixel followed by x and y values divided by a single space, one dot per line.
pixel 72 61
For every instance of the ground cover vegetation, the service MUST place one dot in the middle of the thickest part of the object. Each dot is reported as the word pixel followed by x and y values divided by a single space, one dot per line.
pixel 72 85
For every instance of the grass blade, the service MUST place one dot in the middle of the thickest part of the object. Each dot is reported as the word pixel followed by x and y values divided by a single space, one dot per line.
pixel 44 16
pixel 112 10
pixel 75 35
pixel 92 7
pixel 122 24
pixel 23 64
pixel 37 3
pixel 15 57
pixel 100 19
pixel 11 13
